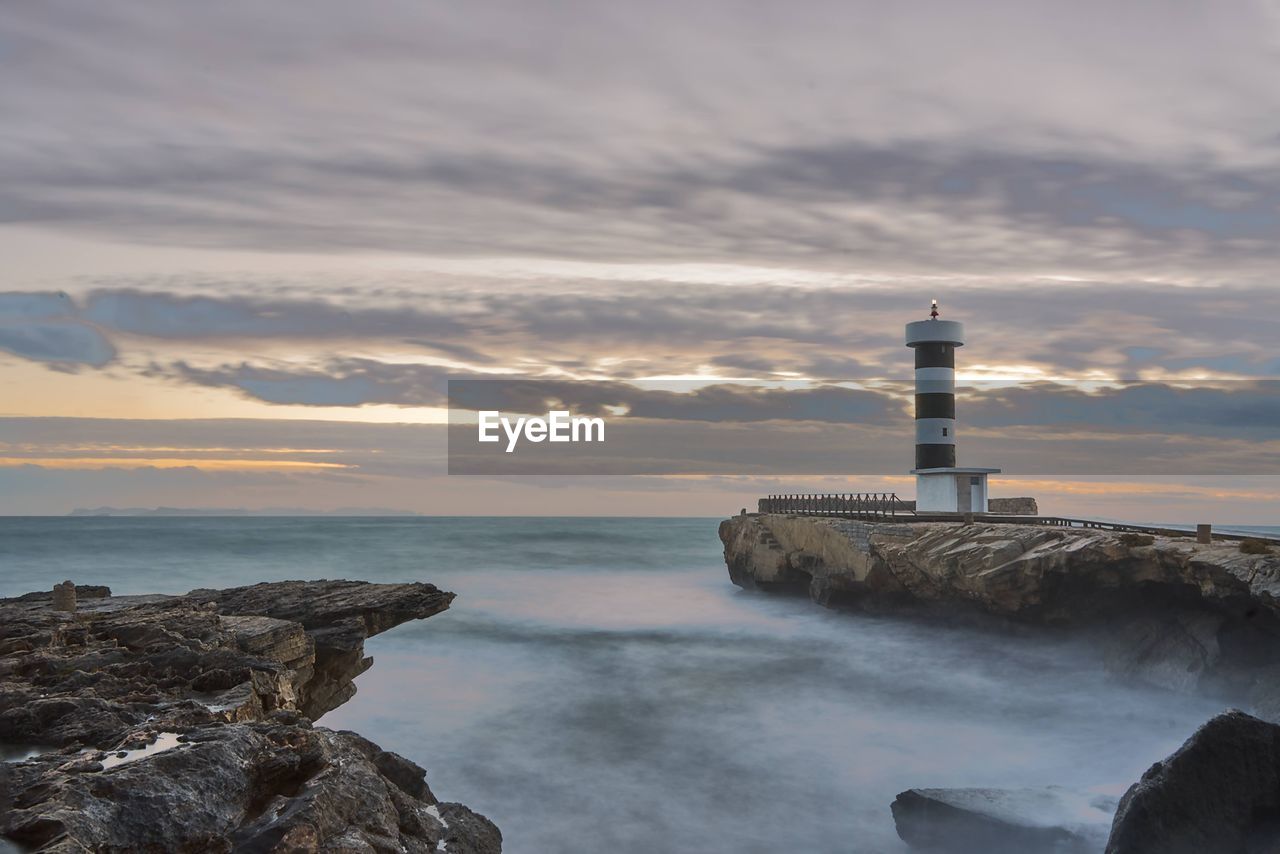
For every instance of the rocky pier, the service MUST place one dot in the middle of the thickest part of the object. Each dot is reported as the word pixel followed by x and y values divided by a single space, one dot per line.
pixel 1167 611
pixel 184 724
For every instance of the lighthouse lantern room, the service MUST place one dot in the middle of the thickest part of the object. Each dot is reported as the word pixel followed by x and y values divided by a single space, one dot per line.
pixel 941 485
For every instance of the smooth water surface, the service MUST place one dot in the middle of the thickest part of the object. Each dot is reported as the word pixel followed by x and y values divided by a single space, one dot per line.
pixel 600 686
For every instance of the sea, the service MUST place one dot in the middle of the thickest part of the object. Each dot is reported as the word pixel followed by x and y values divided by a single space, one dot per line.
pixel 599 685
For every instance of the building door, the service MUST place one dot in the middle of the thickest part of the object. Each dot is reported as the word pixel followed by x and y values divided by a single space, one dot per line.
pixel 964 494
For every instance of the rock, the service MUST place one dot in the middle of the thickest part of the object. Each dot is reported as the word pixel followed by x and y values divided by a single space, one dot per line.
pixel 244 787
pixel 1024 506
pixel 1050 820
pixel 1049 574
pixel 469 832
pixel 1264 699
pixel 1176 614
pixel 83 591
pixel 184 724
pixel 64 596
pixel 1173 650
pixel 337 617
pixel 1217 794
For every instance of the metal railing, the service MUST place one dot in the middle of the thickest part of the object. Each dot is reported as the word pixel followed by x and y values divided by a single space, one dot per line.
pixel 863 505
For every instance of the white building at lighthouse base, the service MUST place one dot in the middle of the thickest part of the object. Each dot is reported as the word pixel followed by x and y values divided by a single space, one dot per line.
pixel 952 490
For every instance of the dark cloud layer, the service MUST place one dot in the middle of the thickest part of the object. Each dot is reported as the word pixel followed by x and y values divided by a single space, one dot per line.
pixel 297 349
pixel 1247 410
pixel 916 138
pixel 44 327
pixel 1122 329
pixel 341 382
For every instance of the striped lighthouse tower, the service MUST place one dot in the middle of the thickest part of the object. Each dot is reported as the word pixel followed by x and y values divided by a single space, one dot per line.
pixel 941 486
pixel 935 342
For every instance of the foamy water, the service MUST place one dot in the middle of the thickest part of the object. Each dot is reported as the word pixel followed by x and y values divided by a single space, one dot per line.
pixel 599 685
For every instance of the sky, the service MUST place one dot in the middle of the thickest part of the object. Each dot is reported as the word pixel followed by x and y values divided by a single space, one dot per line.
pixel 246 246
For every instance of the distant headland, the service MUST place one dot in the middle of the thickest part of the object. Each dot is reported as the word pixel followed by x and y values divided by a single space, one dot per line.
pixel 238 511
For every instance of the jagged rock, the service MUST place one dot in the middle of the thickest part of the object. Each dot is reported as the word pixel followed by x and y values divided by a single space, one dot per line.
pixel 1264 699
pixel 469 832
pixel 262 786
pixel 1050 820
pixel 1178 614
pixel 1217 794
pixel 337 618
pixel 183 724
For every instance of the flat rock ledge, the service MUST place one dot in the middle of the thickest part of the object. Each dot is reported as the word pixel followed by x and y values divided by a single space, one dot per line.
pixel 1004 821
pixel 183 724
pixel 1173 613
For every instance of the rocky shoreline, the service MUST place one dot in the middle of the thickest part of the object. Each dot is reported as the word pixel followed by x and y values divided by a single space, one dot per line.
pixel 184 724
pixel 1166 611
pixel 1169 612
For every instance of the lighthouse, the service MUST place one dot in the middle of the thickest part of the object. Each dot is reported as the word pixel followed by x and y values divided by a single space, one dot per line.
pixel 941 485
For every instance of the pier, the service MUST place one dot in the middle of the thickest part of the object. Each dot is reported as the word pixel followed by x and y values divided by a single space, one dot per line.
pixel 882 506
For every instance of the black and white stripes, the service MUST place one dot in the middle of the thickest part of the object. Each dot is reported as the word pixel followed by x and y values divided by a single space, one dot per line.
pixel 935 342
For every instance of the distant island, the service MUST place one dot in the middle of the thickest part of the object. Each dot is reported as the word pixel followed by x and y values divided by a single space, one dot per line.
pixel 238 511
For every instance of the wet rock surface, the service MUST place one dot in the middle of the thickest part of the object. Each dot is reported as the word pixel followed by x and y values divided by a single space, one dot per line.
pixel 1050 820
pixel 1217 794
pixel 183 724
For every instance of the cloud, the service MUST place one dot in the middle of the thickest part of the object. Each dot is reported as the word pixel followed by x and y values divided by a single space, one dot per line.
pixel 896 139
pixel 1123 327
pixel 398 336
pixel 1247 410
pixel 233 316
pixel 674 401
pixel 44 327
pixel 834 167
pixel 341 382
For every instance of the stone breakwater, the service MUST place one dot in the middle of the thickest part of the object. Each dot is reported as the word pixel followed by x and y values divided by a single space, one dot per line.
pixel 1170 612
pixel 183 724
